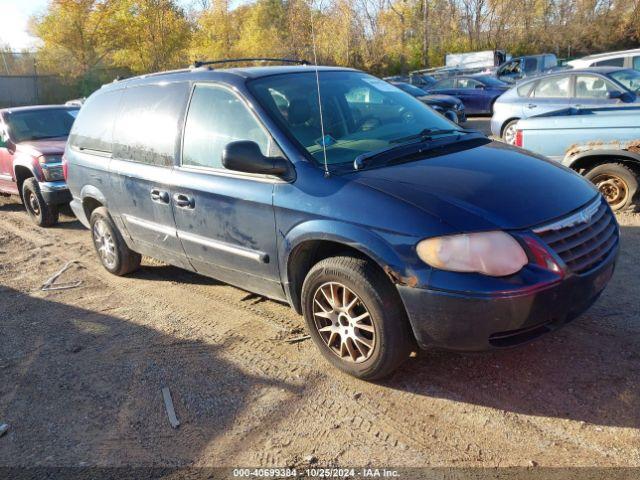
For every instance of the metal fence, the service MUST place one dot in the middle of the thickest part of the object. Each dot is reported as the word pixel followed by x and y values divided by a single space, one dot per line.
pixel 22 82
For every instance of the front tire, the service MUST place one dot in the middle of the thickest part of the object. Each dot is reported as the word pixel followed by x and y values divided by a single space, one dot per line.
pixel 355 317
pixel 40 212
pixel 616 182
pixel 113 252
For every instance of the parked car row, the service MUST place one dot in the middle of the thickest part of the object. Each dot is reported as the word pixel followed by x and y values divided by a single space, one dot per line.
pixel 569 88
pixel 387 226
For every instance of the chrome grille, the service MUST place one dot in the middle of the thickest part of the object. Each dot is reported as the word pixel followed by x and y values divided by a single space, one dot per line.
pixel 585 239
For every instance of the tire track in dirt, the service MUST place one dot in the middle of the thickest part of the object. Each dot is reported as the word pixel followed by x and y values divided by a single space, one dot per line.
pixel 380 417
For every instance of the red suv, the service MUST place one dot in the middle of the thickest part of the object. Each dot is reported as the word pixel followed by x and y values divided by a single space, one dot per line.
pixel 32 141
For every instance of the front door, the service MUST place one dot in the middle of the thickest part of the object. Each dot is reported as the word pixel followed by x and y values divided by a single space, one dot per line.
pixel 225 219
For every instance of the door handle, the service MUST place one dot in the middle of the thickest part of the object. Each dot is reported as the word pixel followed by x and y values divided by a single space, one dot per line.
pixel 159 196
pixel 532 105
pixel 183 201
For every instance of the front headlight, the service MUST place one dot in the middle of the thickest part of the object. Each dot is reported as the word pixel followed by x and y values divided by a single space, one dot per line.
pixel 491 253
pixel 51 167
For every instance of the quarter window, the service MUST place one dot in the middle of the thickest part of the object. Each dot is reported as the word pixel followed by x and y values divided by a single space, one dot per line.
pixel 525 90
pixel 552 87
pixel 636 63
pixel 93 129
pixel 217 117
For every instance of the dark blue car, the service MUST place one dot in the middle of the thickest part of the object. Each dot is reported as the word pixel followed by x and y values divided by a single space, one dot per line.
pixel 384 224
pixel 477 92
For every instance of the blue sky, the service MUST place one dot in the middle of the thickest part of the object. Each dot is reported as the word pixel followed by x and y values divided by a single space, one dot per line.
pixel 15 16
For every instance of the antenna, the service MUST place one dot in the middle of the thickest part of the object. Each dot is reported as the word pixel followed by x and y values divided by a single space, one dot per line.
pixel 315 63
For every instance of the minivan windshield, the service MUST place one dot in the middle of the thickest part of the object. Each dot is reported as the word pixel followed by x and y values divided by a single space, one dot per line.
pixel 41 123
pixel 361 113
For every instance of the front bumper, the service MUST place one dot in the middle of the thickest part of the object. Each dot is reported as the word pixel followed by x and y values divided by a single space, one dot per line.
pixel 55 193
pixel 468 322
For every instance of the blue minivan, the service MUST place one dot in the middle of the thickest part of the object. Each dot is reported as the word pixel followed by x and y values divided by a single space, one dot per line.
pixel 387 226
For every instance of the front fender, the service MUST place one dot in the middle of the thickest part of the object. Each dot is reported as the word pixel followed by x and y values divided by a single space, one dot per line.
pixel 392 252
pixel 26 161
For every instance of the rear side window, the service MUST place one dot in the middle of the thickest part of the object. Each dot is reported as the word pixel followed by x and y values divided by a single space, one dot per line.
pixel 445 83
pixel 612 62
pixel 217 117
pixel 468 83
pixel 93 129
pixel 636 63
pixel 147 127
pixel 552 87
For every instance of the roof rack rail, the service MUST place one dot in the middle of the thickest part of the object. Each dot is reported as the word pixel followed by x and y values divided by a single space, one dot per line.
pixel 198 64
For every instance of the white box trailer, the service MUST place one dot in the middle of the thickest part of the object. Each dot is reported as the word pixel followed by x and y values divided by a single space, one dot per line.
pixel 484 59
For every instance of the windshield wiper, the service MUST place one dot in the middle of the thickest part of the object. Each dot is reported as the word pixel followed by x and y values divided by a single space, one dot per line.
pixel 428 133
pixel 403 142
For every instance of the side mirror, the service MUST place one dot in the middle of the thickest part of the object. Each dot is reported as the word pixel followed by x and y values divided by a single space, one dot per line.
pixel 612 94
pixel 479 86
pixel 627 97
pixel 245 156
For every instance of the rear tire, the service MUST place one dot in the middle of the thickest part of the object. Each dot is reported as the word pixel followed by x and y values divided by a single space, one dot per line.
pixel 363 330
pixel 40 212
pixel 509 132
pixel 111 248
pixel 617 183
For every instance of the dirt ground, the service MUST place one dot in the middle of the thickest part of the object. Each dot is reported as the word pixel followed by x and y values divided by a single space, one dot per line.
pixel 81 373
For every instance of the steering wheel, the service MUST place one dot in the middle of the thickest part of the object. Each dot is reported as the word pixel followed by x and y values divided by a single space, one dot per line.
pixel 368 122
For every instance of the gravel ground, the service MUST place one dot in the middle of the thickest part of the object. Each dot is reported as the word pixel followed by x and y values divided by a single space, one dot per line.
pixel 81 373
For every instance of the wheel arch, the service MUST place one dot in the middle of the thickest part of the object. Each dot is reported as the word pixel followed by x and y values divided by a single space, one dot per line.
pixel 21 173
pixel 92 198
pixel 585 161
pixel 505 123
pixel 309 243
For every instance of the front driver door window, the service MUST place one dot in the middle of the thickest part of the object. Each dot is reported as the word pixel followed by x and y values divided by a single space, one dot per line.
pixel 592 89
pixel 228 227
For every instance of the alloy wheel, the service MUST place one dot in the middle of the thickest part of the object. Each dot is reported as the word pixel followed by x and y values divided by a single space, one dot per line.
pixel 613 188
pixel 105 244
pixel 510 134
pixel 343 322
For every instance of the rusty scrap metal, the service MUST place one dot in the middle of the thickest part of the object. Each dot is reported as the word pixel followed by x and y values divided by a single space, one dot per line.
pixel 629 145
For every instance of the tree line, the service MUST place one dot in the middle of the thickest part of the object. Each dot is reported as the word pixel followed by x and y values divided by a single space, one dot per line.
pixel 95 38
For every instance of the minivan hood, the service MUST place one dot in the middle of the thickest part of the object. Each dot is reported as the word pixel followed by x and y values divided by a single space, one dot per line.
pixel 486 187
pixel 49 146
